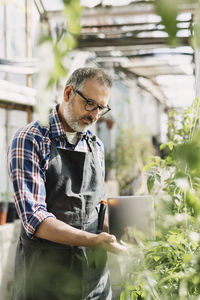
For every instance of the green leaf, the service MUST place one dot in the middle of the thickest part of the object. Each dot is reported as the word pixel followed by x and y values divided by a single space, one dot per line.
pixel 162 146
pixel 150 166
pixel 172 113
pixel 150 183
pixel 156 258
pixel 168 10
pixel 194 202
pixel 158 177
pixel 123 295
pixel 170 145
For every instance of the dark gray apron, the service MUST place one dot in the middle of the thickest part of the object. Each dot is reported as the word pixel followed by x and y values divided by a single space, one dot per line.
pixel 50 271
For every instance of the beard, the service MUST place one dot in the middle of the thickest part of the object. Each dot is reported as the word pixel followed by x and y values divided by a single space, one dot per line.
pixel 74 122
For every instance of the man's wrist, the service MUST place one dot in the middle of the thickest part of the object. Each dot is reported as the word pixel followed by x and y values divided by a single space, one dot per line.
pixel 89 239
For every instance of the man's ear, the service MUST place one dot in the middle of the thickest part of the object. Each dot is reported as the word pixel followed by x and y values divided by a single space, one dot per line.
pixel 68 93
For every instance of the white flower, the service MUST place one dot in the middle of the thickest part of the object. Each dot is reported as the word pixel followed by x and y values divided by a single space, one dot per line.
pixel 194 236
pixel 182 183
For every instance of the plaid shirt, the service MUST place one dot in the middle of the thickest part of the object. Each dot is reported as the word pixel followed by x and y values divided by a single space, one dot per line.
pixel 28 158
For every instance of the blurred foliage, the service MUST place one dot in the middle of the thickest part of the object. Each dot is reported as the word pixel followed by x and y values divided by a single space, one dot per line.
pixel 53 50
pixel 196 39
pixel 65 40
pixel 133 147
pixel 169 10
pixel 168 267
pixel 109 160
pixel 6 196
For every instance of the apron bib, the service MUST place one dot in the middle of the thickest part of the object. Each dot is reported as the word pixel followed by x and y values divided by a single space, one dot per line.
pixel 50 271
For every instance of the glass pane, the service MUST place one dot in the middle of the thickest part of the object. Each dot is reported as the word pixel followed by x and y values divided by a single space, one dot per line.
pixel 2 30
pixel 52 5
pixel 16 45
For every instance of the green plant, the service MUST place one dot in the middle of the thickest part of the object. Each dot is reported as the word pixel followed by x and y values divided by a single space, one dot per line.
pixel 168 11
pixel 132 150
pixel 168 267
pixel 109 162
pixel 54 66
pixel 5 196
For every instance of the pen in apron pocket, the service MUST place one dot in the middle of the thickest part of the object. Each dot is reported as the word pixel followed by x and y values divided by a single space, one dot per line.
pixel 102 211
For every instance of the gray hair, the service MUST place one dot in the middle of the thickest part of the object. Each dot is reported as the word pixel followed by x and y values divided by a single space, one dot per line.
pixel 79 76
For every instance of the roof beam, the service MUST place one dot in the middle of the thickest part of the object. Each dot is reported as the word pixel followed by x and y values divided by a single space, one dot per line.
pixel 142 8
pixel 125 41
pixel 18 69
pixel 99 26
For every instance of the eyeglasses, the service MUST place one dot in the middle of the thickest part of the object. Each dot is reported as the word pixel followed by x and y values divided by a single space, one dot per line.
pixel 91 105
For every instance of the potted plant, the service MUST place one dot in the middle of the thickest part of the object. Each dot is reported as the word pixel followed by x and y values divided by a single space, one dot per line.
pixel 3 207
pixel 12 213
pixel 109 165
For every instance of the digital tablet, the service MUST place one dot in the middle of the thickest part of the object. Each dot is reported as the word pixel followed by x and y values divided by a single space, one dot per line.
pixel 126 212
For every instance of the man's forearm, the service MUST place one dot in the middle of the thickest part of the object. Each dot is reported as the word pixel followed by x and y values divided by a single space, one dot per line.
pixel 59 232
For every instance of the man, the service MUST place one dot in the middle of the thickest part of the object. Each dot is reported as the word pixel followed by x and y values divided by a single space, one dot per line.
pixel 57 175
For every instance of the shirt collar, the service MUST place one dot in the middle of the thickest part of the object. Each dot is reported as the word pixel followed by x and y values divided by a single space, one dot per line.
pixel 56 126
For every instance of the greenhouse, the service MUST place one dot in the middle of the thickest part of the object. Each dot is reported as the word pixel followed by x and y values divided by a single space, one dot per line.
pixel 100 151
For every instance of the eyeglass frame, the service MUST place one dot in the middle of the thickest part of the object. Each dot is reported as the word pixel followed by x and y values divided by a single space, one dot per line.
pixel 100 107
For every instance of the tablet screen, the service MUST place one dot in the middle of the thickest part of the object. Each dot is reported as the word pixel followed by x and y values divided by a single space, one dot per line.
pixel 127 212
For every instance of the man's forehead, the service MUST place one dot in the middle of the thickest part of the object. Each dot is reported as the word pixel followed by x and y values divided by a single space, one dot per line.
pixel 97 91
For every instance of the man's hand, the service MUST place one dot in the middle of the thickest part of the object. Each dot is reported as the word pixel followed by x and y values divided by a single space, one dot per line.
pixel 109 243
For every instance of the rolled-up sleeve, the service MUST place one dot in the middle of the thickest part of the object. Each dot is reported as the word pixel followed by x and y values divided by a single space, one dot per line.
pixel 28 180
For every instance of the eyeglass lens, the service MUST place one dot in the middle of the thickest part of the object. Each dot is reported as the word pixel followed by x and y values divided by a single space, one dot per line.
pixel 92 105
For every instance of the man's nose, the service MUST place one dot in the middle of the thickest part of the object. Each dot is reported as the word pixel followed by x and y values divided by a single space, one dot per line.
pixel 95 114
